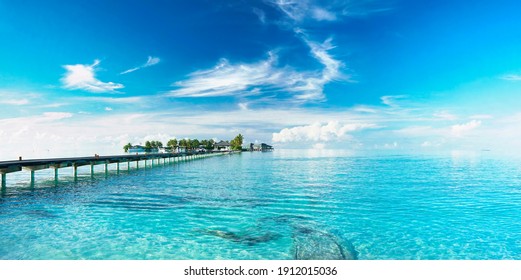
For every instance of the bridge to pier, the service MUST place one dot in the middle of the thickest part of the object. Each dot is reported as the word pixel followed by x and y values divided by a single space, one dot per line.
pixel 33 165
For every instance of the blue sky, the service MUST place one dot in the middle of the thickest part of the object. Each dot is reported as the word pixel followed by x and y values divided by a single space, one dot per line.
pixel 86 77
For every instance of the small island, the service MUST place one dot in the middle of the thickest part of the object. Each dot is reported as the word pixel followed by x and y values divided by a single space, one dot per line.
pixel 187 144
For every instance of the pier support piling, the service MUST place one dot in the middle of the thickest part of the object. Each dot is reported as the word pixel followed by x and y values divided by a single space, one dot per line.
pixel 4 180
pixel 55 175
pixel 75 172
pixel 32 178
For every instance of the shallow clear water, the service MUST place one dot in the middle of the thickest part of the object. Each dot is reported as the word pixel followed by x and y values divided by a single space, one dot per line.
pixel 264 205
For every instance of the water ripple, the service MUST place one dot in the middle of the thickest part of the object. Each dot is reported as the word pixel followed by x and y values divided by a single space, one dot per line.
pixel 272 206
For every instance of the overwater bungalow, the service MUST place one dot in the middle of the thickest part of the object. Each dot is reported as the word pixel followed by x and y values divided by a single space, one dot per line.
pixel 222 146
pixel 263 147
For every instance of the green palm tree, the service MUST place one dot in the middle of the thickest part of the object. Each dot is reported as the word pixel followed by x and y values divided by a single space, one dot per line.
pixel 127 147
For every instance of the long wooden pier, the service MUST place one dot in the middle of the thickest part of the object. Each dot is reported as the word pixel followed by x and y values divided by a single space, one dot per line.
pixel 33 165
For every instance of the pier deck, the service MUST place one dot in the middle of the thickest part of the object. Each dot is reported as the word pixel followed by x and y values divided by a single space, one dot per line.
pixel 55 163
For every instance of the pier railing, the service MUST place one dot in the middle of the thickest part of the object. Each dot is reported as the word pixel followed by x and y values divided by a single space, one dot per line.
pixel 33 165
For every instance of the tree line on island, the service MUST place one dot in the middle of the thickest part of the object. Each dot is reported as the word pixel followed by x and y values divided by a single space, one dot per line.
pixel 187 144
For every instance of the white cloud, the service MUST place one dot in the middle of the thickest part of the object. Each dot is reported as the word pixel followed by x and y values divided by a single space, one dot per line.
pixel 433 144
pixel 303 10
pixel 19 130
pixel 313 86
pixel 299 10
pixel 51 105
pixel 295 10
pixel 459 130
pixel 150 62
pixel 130 70
pixel 64 134
pixel 419 131
pixel 260 14
pixel 117 100
pixel 481 117
pixel 444 115
pixel 54 116
pixel 226 79
pixel 391 100
pixel 56 134
pixel 427 144
pixel 322 14
pixel 17 102
pixel 108 109
pixel 17 98
pixel 315 132
pixel 511 77
pixel 263 77
pixel 243 106
pixel 81 76
pixel 365 109
pixel 319 146
pixel 393 145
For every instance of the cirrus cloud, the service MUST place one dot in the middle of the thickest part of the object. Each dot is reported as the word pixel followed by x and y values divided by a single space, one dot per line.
pixel 264 77
pixel 150 62
pixel 303 9
pixel 23 101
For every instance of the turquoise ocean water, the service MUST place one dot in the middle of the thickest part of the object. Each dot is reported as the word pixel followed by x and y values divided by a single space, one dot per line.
pixel 270 205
